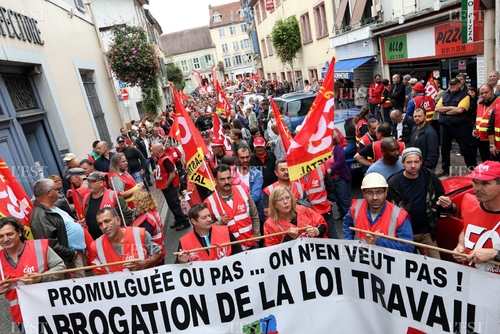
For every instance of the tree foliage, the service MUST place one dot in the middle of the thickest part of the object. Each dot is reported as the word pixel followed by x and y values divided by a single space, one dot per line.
pixel 285 37
pixel 175 75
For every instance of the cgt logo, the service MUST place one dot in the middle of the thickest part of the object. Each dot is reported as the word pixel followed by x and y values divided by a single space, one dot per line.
pixel 29 270
pixel 241 207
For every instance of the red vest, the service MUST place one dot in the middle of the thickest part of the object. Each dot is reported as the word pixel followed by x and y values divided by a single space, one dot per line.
pixel 387 224
pixel 377 150
pixel 240 220
pixel 129 184
pixel 367 140
pixel 104 252
pixel 211 160
pixel 316 190
pixel 218 235
pixel 153 218
pixel 305 217
pixel 483 117
pixel 109 200
pixel 296 188
pixel 33 260
pixel 427 103
pixel 481 230
pixel 161 174
pixel 174 153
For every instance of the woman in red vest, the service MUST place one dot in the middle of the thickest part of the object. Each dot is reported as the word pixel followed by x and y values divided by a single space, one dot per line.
pixel 360 122
pixel 121 181
pixel 286 215
pixel 149 218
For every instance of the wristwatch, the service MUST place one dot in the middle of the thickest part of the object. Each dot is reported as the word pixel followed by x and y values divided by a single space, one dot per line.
pixel 497 257
pixel 492 145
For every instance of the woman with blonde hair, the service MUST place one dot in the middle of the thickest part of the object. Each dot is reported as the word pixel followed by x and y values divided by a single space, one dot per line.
pixel 286 215
pixel 149 218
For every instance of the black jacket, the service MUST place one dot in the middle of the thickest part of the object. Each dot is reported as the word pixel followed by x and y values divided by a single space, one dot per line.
pixel 434 191
pixel 408 124
pixel 426 139
pixel 397 95
pixel 141 146
pixel 267 168
pixel 47 224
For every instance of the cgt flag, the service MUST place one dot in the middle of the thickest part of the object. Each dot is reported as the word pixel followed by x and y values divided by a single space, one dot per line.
pixel 197 77
pixel 13 199
pixel 219 132
pixel 214 73
pixel 431 88
pixel 283 130
pixel 194 148
pixel 314 143
pixel 223 105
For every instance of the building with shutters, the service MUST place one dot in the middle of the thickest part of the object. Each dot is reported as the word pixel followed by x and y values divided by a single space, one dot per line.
pixel 55 91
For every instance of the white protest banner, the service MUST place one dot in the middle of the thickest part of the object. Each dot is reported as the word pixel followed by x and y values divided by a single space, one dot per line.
pixel 304 286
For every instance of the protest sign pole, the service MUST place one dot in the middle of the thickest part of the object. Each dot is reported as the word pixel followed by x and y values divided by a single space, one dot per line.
pixel 239 241
pixel 417 244
pixel 66 271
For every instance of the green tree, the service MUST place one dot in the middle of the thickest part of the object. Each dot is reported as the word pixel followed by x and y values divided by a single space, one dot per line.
pixel 285 37
pixel 175 75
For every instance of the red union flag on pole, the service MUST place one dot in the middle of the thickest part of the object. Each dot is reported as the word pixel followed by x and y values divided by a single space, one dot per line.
pixel 194 147
pixel 214 73
pixel 197 77
pixel 223 105
pixel 219 132
pixel 314 143
pixel 431 88
pixel 283 130
pixel 13 199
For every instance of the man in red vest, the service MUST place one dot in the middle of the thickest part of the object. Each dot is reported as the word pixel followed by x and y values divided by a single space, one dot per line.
pixel 481 216
pixel 375 214
pixel 23 258
pixel 119 243
pixel 233 206
pixel 204 234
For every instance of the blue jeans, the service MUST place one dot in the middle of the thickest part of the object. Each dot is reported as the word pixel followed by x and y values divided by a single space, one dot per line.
pixel 137 177
pixel 342 195
pixel 332 232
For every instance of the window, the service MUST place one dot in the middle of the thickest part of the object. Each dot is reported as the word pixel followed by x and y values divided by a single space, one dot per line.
pixel 263 47
pixel 236 46
pixel 217 17
pixel 232 30
pixel 227 62
pixel 237 60
pixel 209 60
pixel 196 63
pixel 95 105
pixel 313 74
pixel 305 27
pixel 184 66
pixel 269 46
pixel 269 76
pixel 225 49
pixel 242 13
pixel 247 58
pixel 222 33
pixel 243 28
pixel 257 12
pixel 320 19
pixel 245 44
pixel 263 9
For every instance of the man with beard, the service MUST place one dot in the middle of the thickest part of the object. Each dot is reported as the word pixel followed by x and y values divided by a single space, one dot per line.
pixel 373 213
pixel 397 94
pixel 251 176
pixel 391 161
pixel 425 138
pixel 232 206
pixel 264 160
pixel 375 95
pixel 203 122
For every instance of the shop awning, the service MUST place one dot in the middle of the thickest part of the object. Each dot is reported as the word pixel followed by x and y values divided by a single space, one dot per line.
pixel 344 68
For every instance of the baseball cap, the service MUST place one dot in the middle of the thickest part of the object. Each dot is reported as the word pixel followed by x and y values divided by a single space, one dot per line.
pixel 454 81
pixel 259 142
pixel 419 87
pixel 76 171
pixel 486 171
pixel 217 142
pixel 69 157
pixel 120 138
pixel 94 176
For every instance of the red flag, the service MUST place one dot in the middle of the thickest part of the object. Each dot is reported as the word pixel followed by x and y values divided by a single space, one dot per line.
pixel 184 96
pixel 431 88
pixel 197 77
pixel 77 202
pixel 194 147
pixel 283 130
pixel 214 73
pixel 219 132
pixel 14 202
pixel 223 105
pixel 174 129
pixel 314 142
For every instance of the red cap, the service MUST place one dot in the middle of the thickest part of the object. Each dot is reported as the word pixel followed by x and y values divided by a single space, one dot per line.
pixel 217 142
pixel 419 87
pixel 486 171
pixel 259 142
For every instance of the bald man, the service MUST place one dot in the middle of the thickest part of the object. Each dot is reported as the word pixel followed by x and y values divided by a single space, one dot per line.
pixel 103 162
pixel 391 161
pixel 493 78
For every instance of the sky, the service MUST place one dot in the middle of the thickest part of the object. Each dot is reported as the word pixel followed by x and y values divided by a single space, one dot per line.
pixel 176 15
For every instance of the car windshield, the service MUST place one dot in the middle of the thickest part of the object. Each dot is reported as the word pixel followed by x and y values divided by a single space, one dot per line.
pixel 299 107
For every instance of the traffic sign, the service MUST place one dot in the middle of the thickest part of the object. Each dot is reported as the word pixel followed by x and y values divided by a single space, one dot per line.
pixel 122 84
pixel 124 93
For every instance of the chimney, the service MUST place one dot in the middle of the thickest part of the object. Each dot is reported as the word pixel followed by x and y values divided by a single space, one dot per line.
pixel 209 7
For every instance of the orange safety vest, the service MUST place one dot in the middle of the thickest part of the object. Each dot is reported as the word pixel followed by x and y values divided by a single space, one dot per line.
pixel 305 217
pixel 427 103
pixel 153 218
pixel 483 117
pixel 367 140
pixel 109 200
pixel 295 187
pixel 211 159
pixel 377 150
pixel 161 174
pixel 32 261
pixel 358 126
pixel 387 224
pixel 133 241
pixel 174 153
pixel 218 235
pixel 481 230
pixel 240 220
pixel 316 190
pixel 129 184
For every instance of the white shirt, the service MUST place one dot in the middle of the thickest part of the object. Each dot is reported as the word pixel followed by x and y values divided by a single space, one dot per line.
pixel 244 178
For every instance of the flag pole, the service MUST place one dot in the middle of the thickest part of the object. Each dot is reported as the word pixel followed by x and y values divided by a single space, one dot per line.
pixel 1 271
pixel 213 183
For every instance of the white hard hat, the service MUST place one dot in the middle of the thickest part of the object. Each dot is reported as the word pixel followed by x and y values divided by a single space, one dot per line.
pixel 373 180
